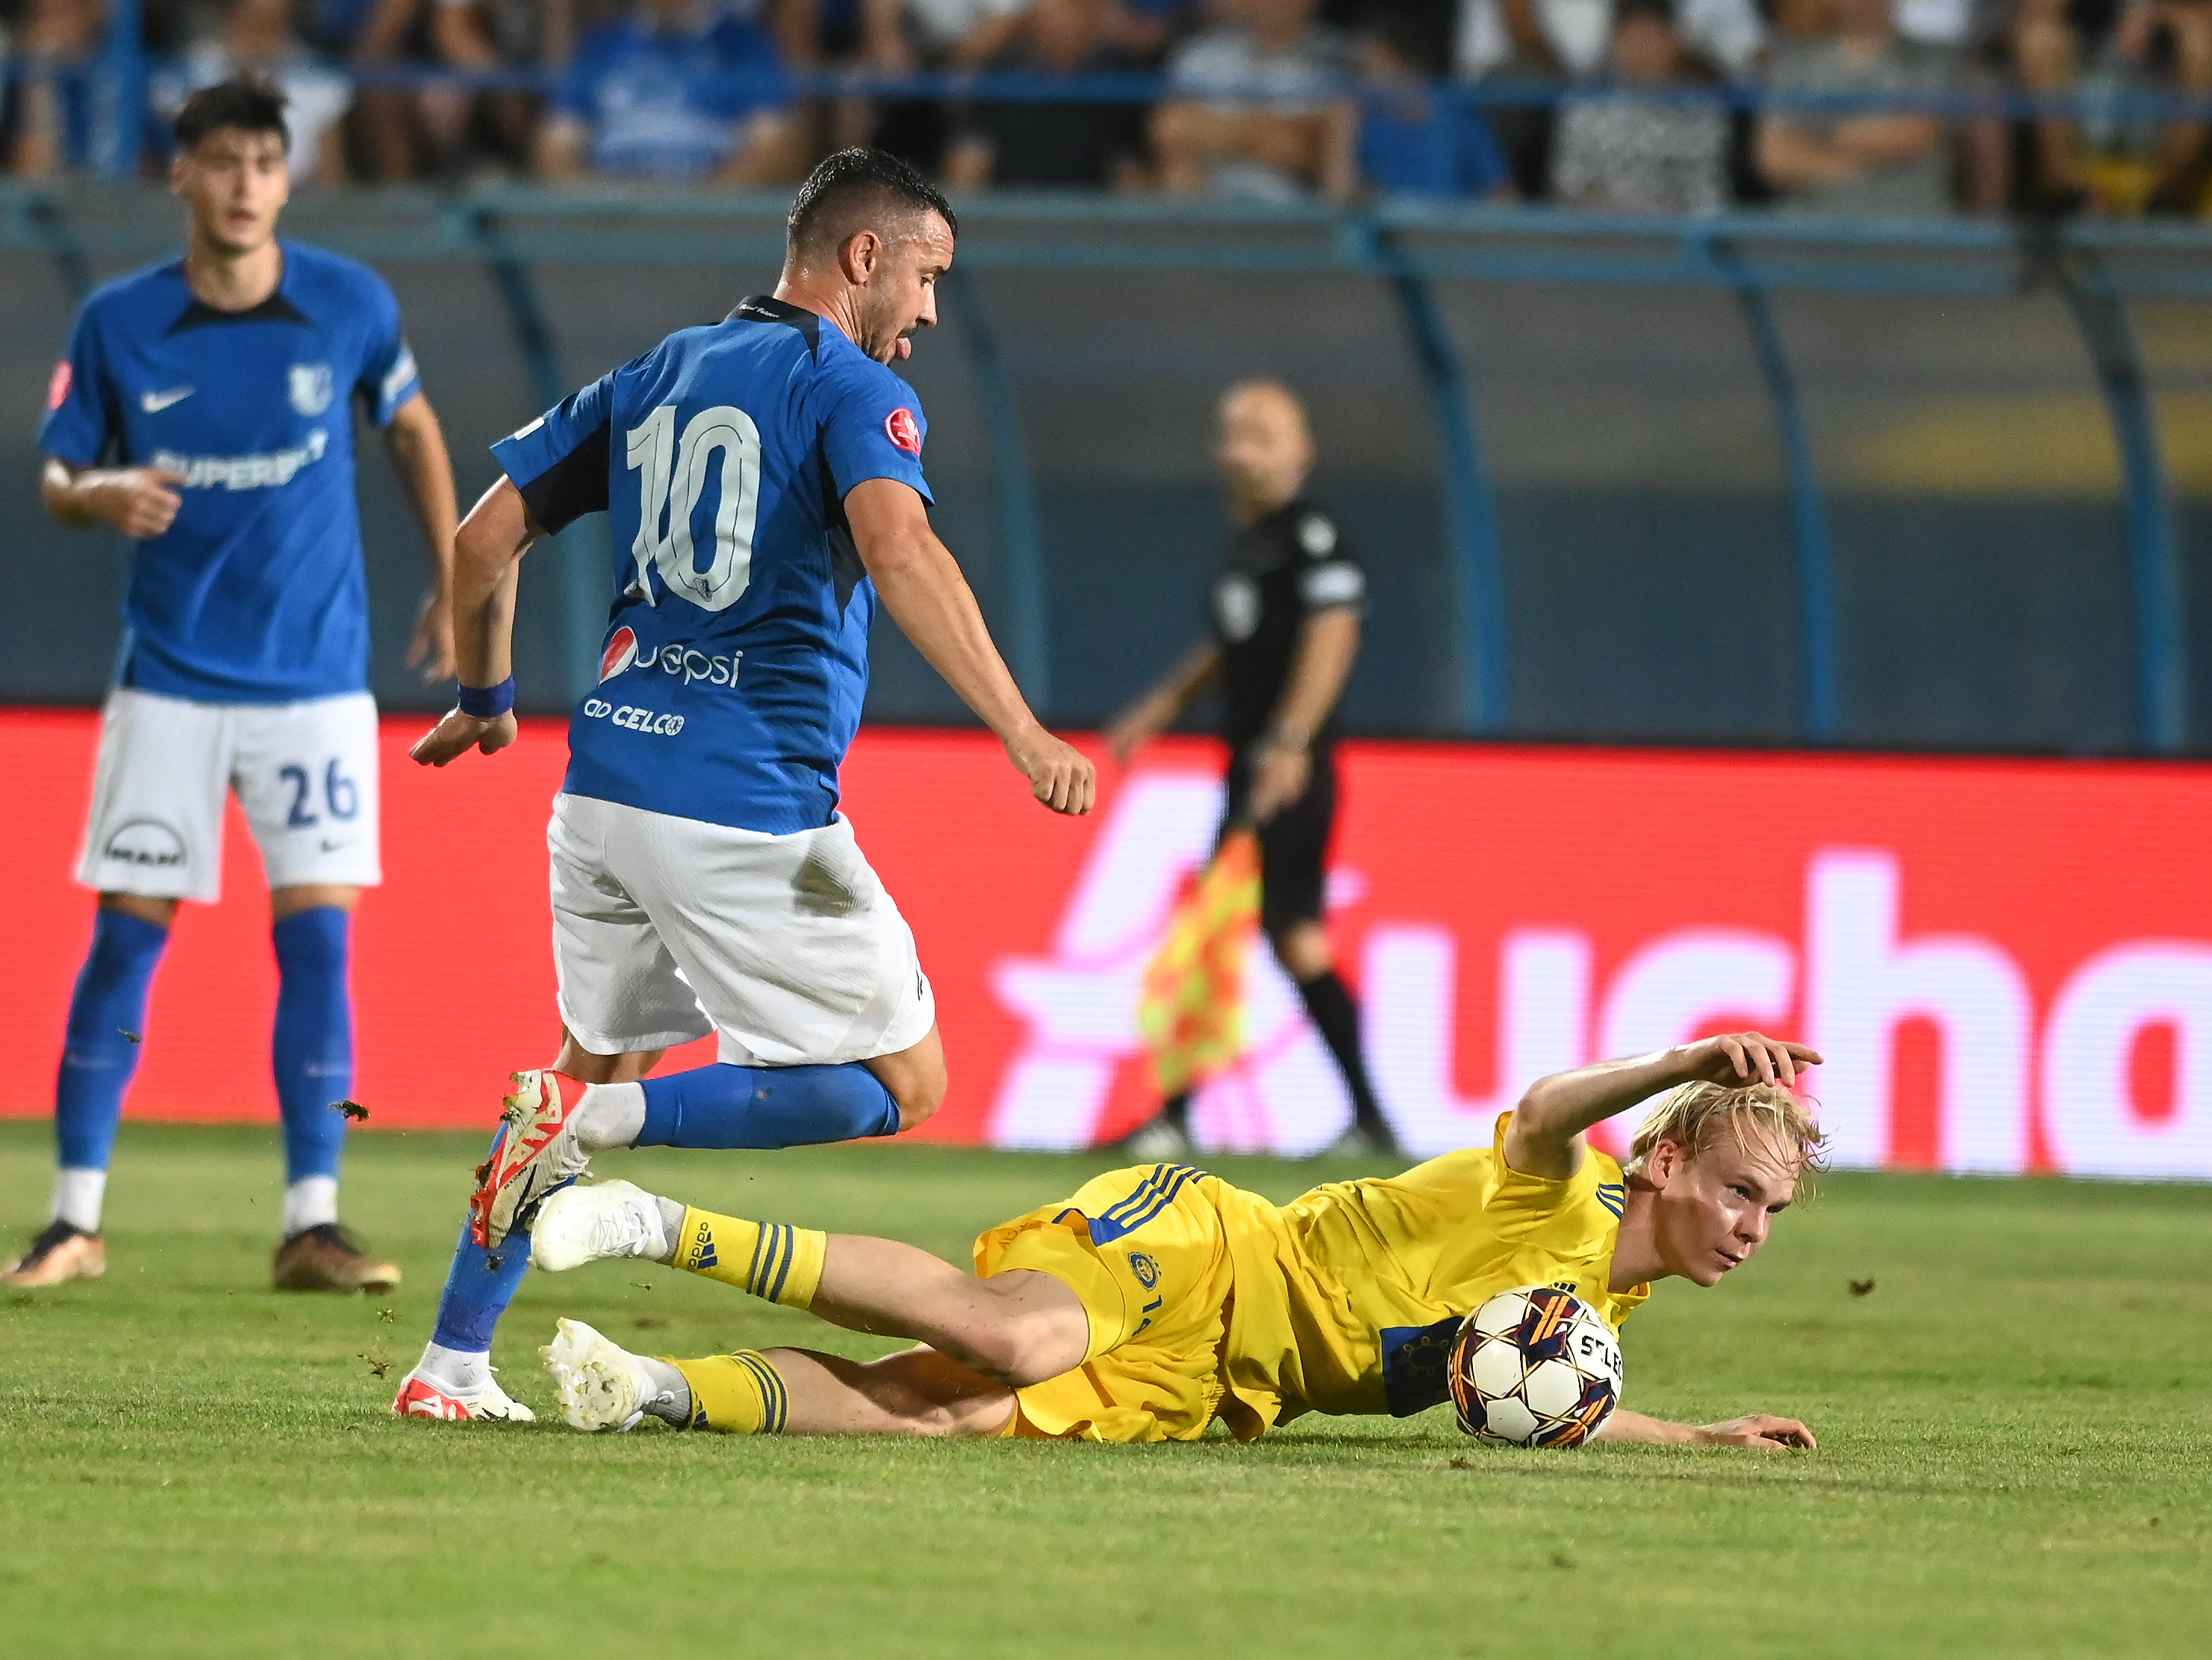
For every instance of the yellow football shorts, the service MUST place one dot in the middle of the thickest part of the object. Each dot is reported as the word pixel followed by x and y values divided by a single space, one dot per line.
pixel 1145 1249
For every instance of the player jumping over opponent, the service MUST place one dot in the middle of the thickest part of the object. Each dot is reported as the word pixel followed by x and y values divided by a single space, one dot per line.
pixel 1153 1301
pixel 205 410
pixel 764 479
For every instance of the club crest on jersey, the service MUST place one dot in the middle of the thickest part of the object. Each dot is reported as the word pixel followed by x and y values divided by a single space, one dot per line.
pixel 313 387
pixel 903 430
pixel 621 653
pixel 1146 1270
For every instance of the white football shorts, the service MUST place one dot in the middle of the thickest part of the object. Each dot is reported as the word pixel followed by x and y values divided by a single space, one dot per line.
pixel 787 947
pixel 305 773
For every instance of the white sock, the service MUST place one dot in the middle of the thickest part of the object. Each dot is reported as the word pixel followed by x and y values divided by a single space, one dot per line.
pixel 612 1116
pixel 457 1372
pixel 672 1398
pixel 78 1193
pixel 309 1202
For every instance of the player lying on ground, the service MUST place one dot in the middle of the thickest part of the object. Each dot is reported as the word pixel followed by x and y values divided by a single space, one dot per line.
pixel 704 880
pixel 1155 1300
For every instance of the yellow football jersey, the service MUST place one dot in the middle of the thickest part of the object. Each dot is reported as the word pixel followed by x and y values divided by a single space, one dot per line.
pixel 1370 1279
pixel 1207 1300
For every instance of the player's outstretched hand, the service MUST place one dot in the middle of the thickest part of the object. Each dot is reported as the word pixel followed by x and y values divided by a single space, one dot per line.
pixel 458 734
pixel 1767 1434
pixel 1746 1057
pixel 1058 775
pixel 140 502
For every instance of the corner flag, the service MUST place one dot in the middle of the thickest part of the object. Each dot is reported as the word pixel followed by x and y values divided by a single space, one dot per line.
pixel 1191 1013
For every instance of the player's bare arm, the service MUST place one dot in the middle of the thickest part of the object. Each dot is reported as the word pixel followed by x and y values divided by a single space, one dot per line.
pixel 416 445
pixel 1163 704
pixel 1761 1432
pixel 1545 1137
pixel 1328 645
pixel 921 585
pixel 488 551
pixel 142 502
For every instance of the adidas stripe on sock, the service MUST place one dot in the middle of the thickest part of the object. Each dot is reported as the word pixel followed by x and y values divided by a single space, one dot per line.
pixel 772 1260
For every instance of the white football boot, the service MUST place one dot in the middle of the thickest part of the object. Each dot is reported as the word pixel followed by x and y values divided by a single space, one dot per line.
pixel 536 1151
pixel 420 1397
pixel 1155 1141
pixel 577 1225
pixel 602 1386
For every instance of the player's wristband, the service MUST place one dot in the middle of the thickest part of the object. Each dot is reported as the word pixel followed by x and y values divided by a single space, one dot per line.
pixel 487 702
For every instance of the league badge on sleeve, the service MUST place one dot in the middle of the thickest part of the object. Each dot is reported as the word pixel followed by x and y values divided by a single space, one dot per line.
pixel 903 430
pixel 313 387
pixel 57 390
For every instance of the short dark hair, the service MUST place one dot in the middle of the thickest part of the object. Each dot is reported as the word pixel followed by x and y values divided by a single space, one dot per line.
pixel 249 106
pixel 849 188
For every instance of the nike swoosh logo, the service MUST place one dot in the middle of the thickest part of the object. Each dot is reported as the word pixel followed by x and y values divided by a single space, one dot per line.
pixel 330 845
pixel 155 401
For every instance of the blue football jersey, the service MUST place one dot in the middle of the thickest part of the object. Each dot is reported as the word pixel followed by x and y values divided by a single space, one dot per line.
pixel 737 649
pixel 256 593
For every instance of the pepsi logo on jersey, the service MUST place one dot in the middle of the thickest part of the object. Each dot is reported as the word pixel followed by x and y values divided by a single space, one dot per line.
pixel 623 653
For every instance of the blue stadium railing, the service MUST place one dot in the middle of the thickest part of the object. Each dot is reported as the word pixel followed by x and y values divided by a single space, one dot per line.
pixel 2096 267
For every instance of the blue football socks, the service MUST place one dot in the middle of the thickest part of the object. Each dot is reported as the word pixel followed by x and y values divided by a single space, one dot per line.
pixel 106 1019
pixel 312 1049
pixel 478 1287
pixel 716 1106
pixel 762 1107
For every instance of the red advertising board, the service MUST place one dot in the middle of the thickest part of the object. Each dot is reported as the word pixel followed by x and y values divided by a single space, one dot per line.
pixel 2008 964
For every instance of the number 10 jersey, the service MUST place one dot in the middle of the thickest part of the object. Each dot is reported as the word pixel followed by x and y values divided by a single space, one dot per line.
pixel 736 656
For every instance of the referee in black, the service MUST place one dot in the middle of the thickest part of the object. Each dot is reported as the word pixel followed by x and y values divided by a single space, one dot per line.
pixel 1285 632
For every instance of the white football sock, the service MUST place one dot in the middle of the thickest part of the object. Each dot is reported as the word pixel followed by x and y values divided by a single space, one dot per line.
pixel 670 1400
pixel 78 1193
pixel 457 1372
pixel 672 1226
pixel 611 1115
pixel 309 1202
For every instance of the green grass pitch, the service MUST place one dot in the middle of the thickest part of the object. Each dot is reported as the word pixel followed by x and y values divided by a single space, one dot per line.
pixel 2015 1459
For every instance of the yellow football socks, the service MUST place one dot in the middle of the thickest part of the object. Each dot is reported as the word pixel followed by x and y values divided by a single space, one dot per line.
pixel 771 1260
pixel 740 1393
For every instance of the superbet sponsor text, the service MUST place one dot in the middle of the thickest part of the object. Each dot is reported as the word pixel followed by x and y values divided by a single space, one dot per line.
pixel 2006 964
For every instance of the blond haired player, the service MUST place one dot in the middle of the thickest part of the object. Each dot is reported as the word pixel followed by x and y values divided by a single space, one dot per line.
pixel 1155 1300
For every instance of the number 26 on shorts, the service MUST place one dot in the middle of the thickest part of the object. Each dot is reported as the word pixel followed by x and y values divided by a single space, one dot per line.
pixel 341 797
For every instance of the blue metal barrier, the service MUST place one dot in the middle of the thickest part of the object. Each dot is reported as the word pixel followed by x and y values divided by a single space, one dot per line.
pixel 2097 268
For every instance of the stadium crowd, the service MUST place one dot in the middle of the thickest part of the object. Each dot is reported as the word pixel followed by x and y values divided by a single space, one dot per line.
pixel 1873 107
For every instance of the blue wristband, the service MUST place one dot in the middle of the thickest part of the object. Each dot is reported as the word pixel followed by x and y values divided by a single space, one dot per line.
pixel 487 702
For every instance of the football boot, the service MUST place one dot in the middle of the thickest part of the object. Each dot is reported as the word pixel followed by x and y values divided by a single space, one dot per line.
pixel 535 1152
pixel 602 1386
pixel 419 1397
pixel 326 1258
pixel 62 1252
pixel 578 1225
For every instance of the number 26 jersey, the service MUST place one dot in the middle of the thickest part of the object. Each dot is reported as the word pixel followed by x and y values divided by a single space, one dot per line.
pixel 736 656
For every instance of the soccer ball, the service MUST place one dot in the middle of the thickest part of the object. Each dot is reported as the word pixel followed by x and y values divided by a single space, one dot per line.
pixel 1535 1367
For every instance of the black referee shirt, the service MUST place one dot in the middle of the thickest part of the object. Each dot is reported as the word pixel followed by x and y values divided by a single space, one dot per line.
pixel 1279 570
